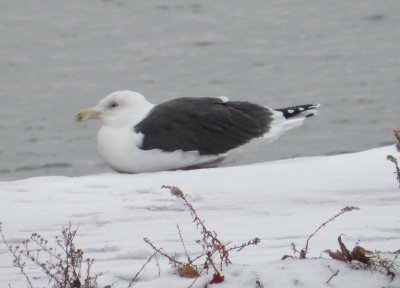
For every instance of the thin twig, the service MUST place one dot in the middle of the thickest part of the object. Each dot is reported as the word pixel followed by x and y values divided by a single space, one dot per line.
pixel 333 275
pixel 240 247
pixel 183 244
pixel 174 262
pixel 17 259
pixel 304 251
pixel 136 277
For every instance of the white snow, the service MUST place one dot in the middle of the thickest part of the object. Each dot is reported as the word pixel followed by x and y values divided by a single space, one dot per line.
pixel 280 202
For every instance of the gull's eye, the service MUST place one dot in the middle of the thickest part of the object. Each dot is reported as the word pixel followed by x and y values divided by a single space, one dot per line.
pixel 113 105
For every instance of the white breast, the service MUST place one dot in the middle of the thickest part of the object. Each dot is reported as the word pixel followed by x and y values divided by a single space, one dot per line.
pixel 113 145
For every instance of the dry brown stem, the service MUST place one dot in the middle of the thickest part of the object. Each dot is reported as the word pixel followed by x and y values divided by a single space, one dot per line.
pixel 303 252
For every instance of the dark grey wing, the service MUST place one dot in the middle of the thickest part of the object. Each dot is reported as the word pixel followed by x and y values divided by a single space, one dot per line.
pixel 207 125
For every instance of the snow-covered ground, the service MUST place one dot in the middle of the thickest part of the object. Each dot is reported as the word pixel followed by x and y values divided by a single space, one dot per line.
pixel 280 202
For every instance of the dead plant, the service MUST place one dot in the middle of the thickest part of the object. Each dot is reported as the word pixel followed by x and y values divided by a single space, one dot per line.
pixel 62 265
pixel 303 252
pixel 393 159
pixel 370 259
pixel 214 255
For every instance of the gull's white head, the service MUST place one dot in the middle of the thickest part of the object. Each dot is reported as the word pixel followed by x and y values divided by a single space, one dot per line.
pixel 117 109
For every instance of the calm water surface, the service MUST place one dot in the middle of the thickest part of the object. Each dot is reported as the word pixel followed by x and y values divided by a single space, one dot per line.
pixel 57 57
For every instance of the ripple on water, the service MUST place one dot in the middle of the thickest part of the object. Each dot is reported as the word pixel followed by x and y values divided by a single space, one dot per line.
pixel 205 43
pixel 43 166
pixel 4 171
pixel 375 17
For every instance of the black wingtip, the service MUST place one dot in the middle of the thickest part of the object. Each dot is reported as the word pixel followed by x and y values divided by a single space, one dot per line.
pixel 300 110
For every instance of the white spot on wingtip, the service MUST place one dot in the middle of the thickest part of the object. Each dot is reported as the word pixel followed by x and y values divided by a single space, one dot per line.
pixel 301 109
pixel 290 111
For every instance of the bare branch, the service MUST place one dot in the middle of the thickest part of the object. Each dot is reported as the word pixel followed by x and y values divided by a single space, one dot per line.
pixel 18 262
pixel 183 244
pixel 333 275
pixel 303 252
pixel 136 277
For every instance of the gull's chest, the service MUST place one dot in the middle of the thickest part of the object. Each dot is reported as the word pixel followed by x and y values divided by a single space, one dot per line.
pixel 119 146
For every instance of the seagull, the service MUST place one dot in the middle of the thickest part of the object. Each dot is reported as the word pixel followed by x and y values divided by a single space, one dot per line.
pixel 184 133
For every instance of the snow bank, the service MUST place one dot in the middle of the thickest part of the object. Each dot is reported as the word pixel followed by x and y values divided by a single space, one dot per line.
pixel 280 202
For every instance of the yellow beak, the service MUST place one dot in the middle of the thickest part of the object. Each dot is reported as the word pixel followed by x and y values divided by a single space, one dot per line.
pixel 87 114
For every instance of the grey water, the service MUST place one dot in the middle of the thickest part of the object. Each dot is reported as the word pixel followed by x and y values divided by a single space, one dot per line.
pixel 57 57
